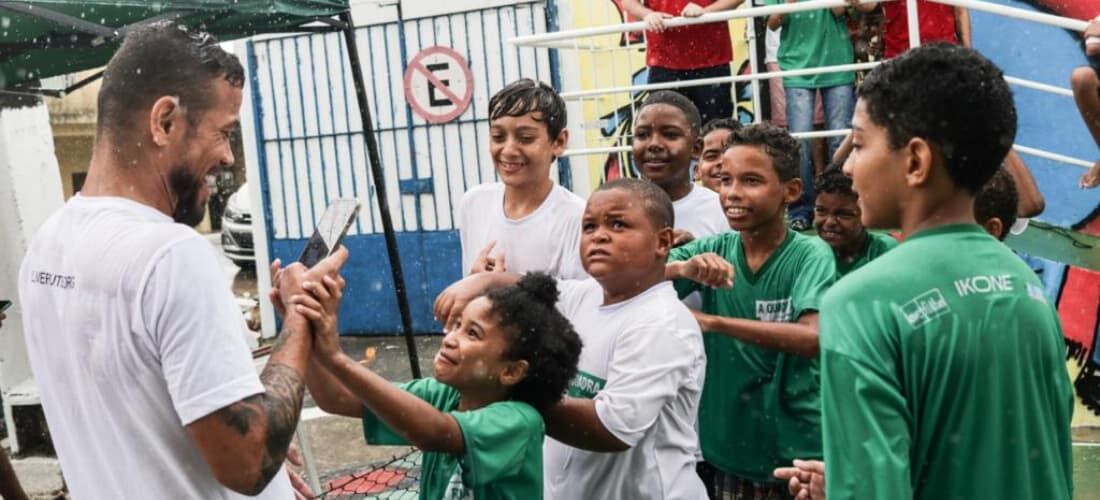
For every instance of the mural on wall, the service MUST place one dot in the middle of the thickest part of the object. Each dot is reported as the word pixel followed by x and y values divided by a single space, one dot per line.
pixel 609 119
pixel 1048 54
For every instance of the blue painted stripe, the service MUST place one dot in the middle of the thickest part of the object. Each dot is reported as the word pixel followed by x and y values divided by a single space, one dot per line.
pixel 261 149
pixel 565 169
pixel 279 148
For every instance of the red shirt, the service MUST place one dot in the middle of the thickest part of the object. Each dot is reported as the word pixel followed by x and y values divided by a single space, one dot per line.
pixel 937 24
pixel 687 47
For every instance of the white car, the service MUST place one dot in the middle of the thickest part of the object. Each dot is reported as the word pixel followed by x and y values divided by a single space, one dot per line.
pixel 237 228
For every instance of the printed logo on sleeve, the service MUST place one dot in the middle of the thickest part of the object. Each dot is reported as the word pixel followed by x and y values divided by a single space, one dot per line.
pixel 585 385
pixel 777 311
pixel 925 307
pixel 53 280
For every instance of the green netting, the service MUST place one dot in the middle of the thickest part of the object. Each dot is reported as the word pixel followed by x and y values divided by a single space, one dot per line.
pixel 33 46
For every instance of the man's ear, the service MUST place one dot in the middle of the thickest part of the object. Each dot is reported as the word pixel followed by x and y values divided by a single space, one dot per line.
pixel 165 119
pixel 514 373
pixel 920 158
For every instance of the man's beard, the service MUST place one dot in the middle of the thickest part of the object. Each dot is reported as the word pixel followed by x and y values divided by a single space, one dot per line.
pixel 185 187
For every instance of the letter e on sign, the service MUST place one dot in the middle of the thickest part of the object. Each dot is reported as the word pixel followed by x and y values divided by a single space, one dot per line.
pixel 438 84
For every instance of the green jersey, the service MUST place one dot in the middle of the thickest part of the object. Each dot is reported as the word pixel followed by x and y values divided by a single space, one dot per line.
pixel 760 407
pixel 503 458
pixel 944 376
pixel 811 39
pixel 876 244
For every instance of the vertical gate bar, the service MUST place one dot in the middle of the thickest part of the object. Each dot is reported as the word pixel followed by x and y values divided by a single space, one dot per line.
pixel 261 147
pixel 565 169
pixel 380 182
pixel 351 143
pixel 317 116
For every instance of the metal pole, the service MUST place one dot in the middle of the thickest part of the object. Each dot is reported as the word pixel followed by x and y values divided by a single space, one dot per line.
pixel 380 185
pixel 754 68
pixel 914 23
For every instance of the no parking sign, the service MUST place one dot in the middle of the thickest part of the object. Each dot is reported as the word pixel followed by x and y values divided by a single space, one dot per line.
pixel 438 84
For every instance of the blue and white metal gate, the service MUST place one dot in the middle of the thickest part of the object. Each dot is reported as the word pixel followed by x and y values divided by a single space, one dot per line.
pixel 311 148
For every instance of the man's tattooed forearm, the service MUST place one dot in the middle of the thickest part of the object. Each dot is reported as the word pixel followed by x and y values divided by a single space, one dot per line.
pixel 282 406
pixel 278 407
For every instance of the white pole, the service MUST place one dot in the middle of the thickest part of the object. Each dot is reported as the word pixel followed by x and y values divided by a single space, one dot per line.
pixel 914 23
pixel 754 68
pixel 722 79
pixel 1027 15
pixel 786 8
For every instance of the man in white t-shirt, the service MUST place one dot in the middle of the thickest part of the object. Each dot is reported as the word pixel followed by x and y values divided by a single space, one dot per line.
pixel 525 222
pixel 133 336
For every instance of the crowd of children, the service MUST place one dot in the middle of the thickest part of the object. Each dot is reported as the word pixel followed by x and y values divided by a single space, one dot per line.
pixel 905 369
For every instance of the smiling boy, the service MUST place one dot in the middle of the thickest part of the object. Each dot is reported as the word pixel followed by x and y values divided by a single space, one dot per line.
pixel 525 222
pixel 709 169
pixel 760 404
pixel 666 141
pixel 943 364
pixel 836 218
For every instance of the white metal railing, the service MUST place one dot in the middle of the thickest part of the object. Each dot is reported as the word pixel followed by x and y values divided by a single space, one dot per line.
pixel 569 39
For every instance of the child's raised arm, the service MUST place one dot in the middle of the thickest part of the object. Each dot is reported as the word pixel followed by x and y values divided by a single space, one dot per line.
pixel 340 378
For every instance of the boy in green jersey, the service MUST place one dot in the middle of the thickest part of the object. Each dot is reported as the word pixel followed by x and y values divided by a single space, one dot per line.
pixel 760 403
pixel 836 219
pixel 942 361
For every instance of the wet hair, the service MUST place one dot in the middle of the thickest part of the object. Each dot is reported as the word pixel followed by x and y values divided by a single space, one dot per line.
pixel 138 74
pixel 952 97
pixel 678 101
pixel 833 181
pixel 720 124
pixel 525 96
pixel 997 198
pixel 537 333
pixel 776 143
pixel 655 201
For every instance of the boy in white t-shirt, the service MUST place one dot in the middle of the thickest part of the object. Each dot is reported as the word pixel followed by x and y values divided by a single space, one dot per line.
pixel 627 427
pixel 666 141
pixel 525 222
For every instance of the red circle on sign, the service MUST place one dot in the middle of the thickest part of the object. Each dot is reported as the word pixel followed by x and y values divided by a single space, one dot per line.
pixel 460 102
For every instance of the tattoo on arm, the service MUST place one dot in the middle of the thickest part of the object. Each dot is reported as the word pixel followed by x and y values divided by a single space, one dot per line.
pixel 279 407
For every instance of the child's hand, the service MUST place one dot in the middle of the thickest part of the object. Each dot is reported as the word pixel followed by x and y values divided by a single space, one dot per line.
pixel 486 263
pixel 273 294
pixel 709 269
pixel 655 21
pixel 681 237
pixel 320 305
pixel 806 480
pixel 1091 178
pixel 450 303
pixel 692 10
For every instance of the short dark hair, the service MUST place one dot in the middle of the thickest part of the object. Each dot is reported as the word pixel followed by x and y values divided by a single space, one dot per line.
pixel 720 124
pixel 833 181
pixel 776 143
pixel 678 101
pixel 163 59
pixel 950 96
pixel 997 198
pixel 529 96
pixel 655 201
pixel 538 334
